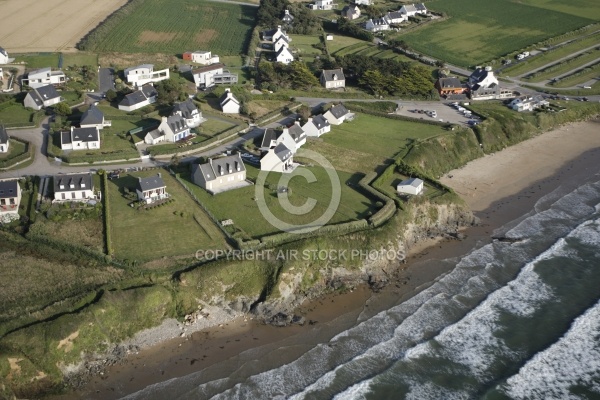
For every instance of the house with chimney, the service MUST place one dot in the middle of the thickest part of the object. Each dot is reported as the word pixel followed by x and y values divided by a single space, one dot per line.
pixel 281 42
pixel 43 96
pixel 220 174
pixel 284 55
pixel 287 17
pixel 316 126
pixel 483 85
pixel 278 159
pixel 141 98
pixel 333 78
pixel 272 35
pixel 293 137
pixel 145 73
pixel 73 187
pixel 171 129
pixel 377 25
pixel 151 189
pixel 338 114
pixel 10 197
pixel 323 5
pixel 80 139
pixel 229 104
pixel 449 86
pixel 188 110
pixel 351 12
pixel 93 117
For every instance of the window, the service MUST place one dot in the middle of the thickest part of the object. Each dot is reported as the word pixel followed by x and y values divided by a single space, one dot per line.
pixel 72 195
pixel 83 195
pixel 2 202
pixel 63 196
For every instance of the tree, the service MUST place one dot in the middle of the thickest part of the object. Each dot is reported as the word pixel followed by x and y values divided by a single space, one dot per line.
pixel 301 76
pixel 304 112
pixel 168 90
pixel 62 109
pixel 111 95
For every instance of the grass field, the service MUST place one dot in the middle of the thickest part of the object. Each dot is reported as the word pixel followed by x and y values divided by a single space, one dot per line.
pixel 304 45
pixel 565 66
pixel 16 114
pixel 14 148
pixel 155 26
pixel 370 50
pixel 241 207
pixel 339 42
pixel 262 107
pixel 79 59
pixel 580 77
pixel 551 56
pixel 368 141
pixel 473 35
pixel 175 229
pixel 37 60
pixel 110 143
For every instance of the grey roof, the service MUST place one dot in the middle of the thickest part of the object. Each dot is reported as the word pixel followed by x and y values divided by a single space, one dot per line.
pixel 281 50
pixel 395 15
pixel 339 111
pixel 296 132
pixel 208 68
pixel 177 123
pixel 9 189
pixel 269 32
pixel 420 7
pixel 92 116
pixel 450 83
pixel 282 152
pixel 414 182
pixel 43 93
pixel 65 137
pixel 150 183
pixel 225 95
pixel 3 52
pixel 139 96
pixel 269 135
pixel 86 134
pixel 320 121
pixel 149 90
pixel 3 135
pixel 479 75
pixel 186 108
pixel 79 182
pixel 379 21
pixel 282 38
pixel 329 74
pixel 217 167
pixel 39 71
pixel 150 66
pixel 410 8
pixel 155 134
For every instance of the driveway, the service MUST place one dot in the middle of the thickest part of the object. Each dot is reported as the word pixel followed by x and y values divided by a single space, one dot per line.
pixel 106 79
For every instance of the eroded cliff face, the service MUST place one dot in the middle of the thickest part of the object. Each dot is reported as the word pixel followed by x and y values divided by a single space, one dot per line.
pixel 376 260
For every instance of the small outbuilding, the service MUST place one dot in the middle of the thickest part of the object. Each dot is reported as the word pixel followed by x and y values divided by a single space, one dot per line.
pixel 412 186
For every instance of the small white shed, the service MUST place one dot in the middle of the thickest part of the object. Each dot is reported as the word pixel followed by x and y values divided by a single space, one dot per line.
pixel 410 186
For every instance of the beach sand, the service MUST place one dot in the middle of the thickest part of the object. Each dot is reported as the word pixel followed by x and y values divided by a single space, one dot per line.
pixel 500 188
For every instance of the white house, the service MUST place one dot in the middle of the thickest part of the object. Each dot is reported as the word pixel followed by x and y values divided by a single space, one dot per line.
pixel 80 139
pixel 211 75
pixel 297 134
pixel 410 186
pixel 138 99
pixel 220 174
pixel 44 76
pixel 284 55
pixel 363 2
pixel 4 56
pixel 333 78
pixel 171 129
pixel 395 17
pixel 4 140
pixel 229 104
pixel 377 25
pixel 278 159
pixel 483 85
pixel 151 189
pixel 351 12
pixel 73 187
pixel 338 114
pixel 10 197
pixel 409 10
pixel 421 9
pixel 528 103
pixel 273 34
pixel 269 139
pixel 145 73
pixel 93 117
pixel 323 5
pixel 287 17
pixel 189 111
pixel 281 42
pixel 316 126
pixel 201 57
pixel 44 96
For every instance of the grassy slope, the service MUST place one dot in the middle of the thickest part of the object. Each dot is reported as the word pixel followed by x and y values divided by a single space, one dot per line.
pixel 474 34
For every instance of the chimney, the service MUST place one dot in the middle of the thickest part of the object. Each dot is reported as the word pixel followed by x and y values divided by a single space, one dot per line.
pixel 159 175
pixel 210 161
pixel 488 68
pixel 139 179
pixel 278 27
pixel 164 119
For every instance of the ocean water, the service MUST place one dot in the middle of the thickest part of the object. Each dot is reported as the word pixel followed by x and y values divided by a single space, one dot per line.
pixel 511 320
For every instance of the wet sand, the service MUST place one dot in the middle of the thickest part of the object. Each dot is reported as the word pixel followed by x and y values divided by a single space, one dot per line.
pixel 521 176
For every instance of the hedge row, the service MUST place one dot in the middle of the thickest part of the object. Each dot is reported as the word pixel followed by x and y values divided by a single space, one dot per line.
pixel 388 210
pixel 77 251
pixel 338 229
pixel 291 106
pixel 28 154
pixel 106 214
pixel 367 110
pixel 156 150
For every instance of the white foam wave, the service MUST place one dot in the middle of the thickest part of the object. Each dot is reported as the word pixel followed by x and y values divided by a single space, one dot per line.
pixel 572 361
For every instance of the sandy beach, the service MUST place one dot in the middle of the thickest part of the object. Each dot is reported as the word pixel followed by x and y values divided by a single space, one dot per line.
pixel 499 187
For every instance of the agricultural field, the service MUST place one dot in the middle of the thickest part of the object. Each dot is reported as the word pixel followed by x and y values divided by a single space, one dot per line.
pixel 178 228
pixel 369 50
pixel 551 56
pixel 240 205
pixel 564 67
pixel 154 26
pixel 368 141
pixel 580 77
pixel 474 35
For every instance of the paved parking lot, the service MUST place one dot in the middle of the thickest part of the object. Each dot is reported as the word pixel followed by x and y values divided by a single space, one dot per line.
pixel 445 112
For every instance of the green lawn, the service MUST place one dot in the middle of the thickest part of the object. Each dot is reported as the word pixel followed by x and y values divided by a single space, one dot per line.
pixel 240 205
pixel 175 229
pixel 80 59
pixel 368 141
pixel 370 50
pixel 580 8
pixel 551 56
pixel 173 27
pixel 475 34
pixel 304 45
pixel 571 64
pixel 113 146
pixel 37 60
pixel 340 42
pixel 14 149
pixel 589 73
pixel 16 114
